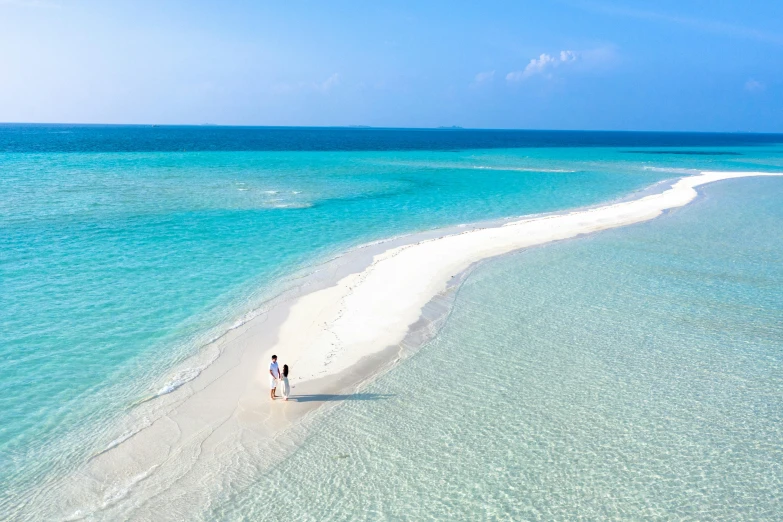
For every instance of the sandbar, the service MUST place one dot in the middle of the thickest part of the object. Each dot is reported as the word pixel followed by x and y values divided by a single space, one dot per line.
pixel 347 324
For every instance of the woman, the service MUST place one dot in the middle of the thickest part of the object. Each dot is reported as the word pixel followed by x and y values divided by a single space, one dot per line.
pixel 286 387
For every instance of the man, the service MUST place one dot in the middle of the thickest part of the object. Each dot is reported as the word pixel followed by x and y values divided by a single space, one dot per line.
pixel 274 372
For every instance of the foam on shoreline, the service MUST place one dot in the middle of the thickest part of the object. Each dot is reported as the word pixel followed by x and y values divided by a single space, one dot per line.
pixel 336 334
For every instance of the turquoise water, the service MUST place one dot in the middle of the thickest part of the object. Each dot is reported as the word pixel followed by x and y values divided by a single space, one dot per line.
pixel 116 266
pixel 633 374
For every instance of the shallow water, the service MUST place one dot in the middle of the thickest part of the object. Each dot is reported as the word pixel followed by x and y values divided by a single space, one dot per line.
pixel 121 255
pixel 636 373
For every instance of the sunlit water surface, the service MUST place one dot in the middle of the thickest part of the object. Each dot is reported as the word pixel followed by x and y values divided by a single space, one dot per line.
pixel 124 249
pixel 633 374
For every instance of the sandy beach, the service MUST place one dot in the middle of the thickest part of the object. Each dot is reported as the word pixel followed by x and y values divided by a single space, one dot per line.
pixel 349 322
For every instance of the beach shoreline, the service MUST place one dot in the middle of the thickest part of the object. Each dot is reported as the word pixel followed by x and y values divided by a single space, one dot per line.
pixel 346 324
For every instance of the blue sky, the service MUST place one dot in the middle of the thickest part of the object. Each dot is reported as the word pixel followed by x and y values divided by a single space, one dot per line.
pixel 571 64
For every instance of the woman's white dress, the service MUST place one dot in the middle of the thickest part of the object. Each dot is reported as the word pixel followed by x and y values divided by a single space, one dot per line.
pixel 286 387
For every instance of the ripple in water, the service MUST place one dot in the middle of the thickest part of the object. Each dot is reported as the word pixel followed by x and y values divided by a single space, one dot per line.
pixel 633 374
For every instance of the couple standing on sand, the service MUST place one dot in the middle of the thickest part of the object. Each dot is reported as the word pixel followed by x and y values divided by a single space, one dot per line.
pixel 276 378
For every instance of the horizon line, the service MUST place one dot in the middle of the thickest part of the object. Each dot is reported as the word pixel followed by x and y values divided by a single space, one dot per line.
pixel 372 127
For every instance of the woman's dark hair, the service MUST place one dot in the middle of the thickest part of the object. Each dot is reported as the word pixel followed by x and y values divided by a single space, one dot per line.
pixel 285 370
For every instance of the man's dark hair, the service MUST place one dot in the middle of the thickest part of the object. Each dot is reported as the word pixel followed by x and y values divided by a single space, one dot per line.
pixel 274 357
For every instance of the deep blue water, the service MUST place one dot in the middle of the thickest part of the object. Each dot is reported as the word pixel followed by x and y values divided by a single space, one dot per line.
pixel 147 138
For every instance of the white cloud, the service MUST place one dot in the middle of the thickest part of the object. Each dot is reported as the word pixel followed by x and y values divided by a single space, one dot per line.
pixel 537 66
pixel 595 59
pixel 755 86
pixel 567 56
pixel 543 65
pixel 330 82
pixel 483 78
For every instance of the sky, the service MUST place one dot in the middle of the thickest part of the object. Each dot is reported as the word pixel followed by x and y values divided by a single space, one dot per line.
pixel 686 65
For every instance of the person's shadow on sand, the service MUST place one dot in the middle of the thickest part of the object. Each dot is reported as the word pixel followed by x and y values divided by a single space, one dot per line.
pixel 326 397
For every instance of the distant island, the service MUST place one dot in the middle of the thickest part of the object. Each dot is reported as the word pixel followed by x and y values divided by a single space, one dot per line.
pixel 452 127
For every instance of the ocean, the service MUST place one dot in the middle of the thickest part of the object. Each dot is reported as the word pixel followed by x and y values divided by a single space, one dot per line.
pixel 631 373
pixel 634 374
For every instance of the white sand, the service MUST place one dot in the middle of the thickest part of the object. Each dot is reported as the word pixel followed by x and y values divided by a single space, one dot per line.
pixel 207 434
pixel 330 330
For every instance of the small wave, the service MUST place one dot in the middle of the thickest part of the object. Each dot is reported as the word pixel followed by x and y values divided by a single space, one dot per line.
pixel 296 192
pixel 271 191
pixel 145 423
pixel 119 493
pixel 242 189
pixel 291 205
pixel 112 496
pixel 522 169
pixel 464 166
pixel 179 379
pixel 373 243
pixel 184 376
pixel 671 169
